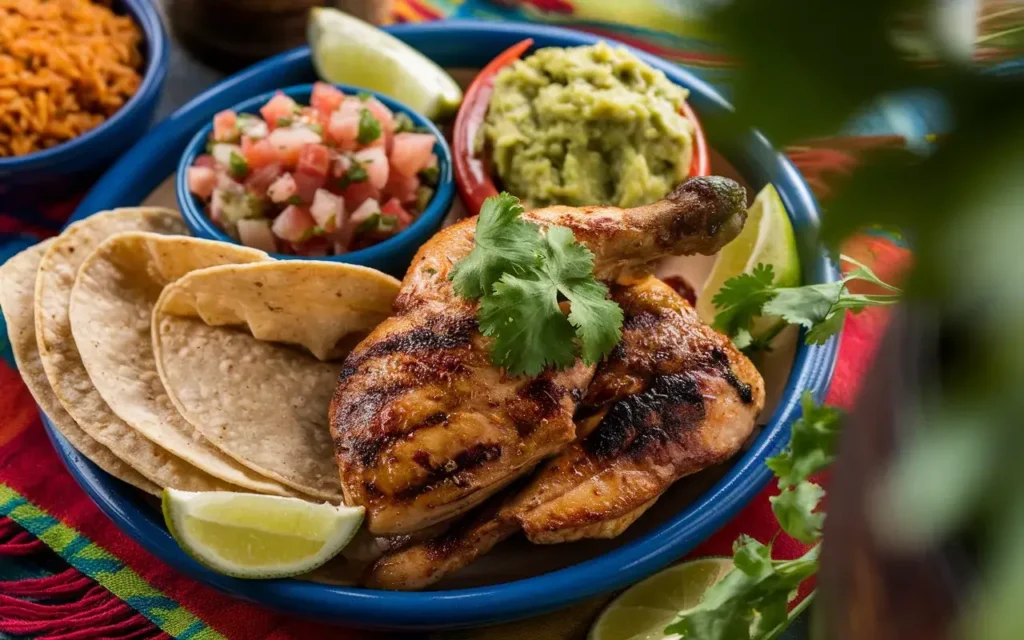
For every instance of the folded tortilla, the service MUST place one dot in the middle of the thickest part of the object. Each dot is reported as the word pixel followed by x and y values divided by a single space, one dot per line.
pixel 111 304
pixel 62 362
pixel 234 347
pixel 17 294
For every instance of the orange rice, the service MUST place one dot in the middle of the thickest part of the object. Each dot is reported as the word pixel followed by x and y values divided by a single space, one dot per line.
pixel 65 67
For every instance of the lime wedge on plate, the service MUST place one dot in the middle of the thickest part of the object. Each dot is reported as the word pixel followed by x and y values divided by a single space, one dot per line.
pixel 247 535
pixel 644 610
pixel 767 238
pixel 347 50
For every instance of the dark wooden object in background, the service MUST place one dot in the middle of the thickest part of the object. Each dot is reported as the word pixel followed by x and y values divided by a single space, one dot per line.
pixel 867 591
pixel 230 34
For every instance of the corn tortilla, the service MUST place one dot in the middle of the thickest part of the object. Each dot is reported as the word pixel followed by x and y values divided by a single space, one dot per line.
pixel 17 294
pixel 261 401
pixel 111 304
pixel 62 362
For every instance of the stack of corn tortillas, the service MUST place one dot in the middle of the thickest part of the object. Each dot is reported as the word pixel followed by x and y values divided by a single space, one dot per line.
pixel 176 362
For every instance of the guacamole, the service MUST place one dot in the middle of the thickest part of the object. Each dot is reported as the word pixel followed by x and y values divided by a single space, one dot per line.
pixel 587 126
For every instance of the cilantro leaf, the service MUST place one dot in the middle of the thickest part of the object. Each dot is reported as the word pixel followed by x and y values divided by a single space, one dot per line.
pixel 795 508
pixel 741 297
pixel 355 173
pixel 750 602
pixel 529 329
pixel 237 165
pixel 505 243
pixel 369 127
pixel 598 320
pixel 820 308
pixel 812 446
pixel 522 275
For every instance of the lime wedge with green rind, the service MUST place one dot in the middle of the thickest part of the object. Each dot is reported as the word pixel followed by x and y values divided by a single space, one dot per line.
pixel 248 535
pixel 347 50
pixel 766 238
pixel 644 610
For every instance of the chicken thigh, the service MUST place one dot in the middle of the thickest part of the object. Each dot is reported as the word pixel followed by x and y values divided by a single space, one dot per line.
pixel 426 427
pixel 674 397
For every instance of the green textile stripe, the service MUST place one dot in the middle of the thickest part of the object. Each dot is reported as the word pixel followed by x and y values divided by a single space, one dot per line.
pixel 100 565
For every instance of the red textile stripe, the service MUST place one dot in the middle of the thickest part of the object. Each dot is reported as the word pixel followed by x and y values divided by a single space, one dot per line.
pixel 67 605
pixel 425 12
pixel 29 465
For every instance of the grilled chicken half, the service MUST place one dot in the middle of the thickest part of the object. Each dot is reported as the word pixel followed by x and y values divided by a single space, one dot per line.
pixel 425 427
pixel 674 397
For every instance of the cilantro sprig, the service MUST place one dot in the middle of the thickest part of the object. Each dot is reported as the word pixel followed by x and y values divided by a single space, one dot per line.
pixel 820 308
pixel 522 275
pixel 369 127
pixel 751 601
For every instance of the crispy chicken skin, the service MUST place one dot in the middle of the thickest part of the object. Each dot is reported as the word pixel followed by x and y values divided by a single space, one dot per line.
pixel 425 427
pixel 674 397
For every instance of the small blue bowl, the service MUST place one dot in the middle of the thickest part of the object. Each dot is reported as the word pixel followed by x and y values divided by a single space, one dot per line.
pixel 44 176
pixel 392 255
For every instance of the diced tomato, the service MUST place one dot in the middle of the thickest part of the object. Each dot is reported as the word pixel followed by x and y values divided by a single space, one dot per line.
pixel 394 208
pixel 259 153
pixel 280 106
pixel 306 185
pixel 311 171
pixel 402 187
pixel 205 160
pixel 293 224
pixel 325 98
pixel 256 234
pixel 357 193
pixel 411 152
pixel 202 181
pixel 288 143
pixel 282 189
pixel 375 162
pixel 343 130
pixel 326 208
pixel 314 159
pixel 224 126
pixel 260 180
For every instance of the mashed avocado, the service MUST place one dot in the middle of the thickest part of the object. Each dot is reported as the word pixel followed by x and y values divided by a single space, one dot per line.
pixel 587 126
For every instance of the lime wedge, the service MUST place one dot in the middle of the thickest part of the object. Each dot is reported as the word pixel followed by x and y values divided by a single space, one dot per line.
pixel 247 535
pixel 767 238
pixel 644 610
pixel 347 50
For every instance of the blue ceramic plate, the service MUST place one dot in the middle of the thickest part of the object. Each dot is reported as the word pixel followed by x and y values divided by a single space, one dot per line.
pixel 392 255
pixel 470 44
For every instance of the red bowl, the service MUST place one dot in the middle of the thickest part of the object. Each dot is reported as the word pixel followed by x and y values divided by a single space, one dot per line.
pixel 471 173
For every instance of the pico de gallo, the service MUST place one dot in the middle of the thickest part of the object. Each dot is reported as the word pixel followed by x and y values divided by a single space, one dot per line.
pixel 338 175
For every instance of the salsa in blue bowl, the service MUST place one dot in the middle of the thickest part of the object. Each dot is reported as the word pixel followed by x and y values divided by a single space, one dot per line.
pixel 389 247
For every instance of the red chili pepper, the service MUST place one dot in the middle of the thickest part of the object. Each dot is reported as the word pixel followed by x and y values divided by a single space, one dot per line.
pixel 475 184
pixel 471 173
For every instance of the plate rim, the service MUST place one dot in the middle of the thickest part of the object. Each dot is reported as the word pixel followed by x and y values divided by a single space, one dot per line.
pixel 812 370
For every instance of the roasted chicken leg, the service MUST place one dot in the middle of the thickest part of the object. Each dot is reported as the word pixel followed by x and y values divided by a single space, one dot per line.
pixel 674 397
pixel 425 427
